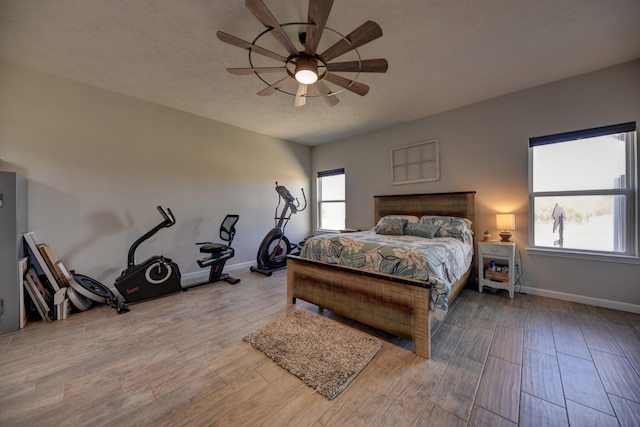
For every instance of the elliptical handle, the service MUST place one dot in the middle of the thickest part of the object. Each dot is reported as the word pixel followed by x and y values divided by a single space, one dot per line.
pixel 305 201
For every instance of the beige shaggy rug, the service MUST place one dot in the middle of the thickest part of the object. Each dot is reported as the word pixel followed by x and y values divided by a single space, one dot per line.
pixel 323 353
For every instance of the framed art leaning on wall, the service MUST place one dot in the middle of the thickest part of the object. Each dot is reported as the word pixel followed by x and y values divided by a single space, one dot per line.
pixel 418 162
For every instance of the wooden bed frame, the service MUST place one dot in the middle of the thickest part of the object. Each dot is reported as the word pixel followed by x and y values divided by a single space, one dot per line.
pixel 391 303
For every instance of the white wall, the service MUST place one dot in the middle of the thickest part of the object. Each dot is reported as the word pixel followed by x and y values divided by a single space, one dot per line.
pixel 98 163
pixel 484 147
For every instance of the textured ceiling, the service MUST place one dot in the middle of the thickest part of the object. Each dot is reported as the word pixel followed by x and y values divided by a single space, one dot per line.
pixel 442 54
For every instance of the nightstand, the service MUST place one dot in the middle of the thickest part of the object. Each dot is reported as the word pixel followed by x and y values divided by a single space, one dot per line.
pixel 493 259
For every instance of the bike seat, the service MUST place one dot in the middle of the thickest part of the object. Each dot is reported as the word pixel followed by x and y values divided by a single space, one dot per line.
pixel 213 248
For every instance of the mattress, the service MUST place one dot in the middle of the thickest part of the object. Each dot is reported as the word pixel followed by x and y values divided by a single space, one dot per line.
pixel 438 261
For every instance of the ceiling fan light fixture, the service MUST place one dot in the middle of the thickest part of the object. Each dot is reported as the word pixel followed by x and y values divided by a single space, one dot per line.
pixel 308 67
pixel 306 70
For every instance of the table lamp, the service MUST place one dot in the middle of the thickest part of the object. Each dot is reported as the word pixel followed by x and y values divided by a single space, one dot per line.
pixel 505 223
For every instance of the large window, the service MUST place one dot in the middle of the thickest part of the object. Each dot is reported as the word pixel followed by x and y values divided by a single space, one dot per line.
pixel 583 190
pixel 332 207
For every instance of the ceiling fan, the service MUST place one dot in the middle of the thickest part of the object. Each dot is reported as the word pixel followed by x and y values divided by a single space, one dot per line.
pixel 306 67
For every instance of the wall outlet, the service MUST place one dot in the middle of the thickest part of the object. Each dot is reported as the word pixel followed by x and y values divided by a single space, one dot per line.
pixel 516 263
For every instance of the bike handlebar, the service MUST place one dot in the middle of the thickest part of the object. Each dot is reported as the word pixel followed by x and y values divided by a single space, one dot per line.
pixel 169 220
pixel 166 213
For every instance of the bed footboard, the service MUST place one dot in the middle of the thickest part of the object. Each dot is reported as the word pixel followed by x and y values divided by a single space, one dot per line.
pixel 396 305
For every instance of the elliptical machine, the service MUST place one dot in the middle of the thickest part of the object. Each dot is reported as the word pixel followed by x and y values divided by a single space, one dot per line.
pixel 153 278
pixel 273 251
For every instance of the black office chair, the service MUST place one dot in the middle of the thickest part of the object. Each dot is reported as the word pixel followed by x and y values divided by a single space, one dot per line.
pixel 219 253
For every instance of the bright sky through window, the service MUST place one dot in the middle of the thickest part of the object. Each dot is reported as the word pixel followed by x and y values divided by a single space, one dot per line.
pixel 584 164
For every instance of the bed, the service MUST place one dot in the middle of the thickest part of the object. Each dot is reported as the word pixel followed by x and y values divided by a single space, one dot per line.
pixel 396 304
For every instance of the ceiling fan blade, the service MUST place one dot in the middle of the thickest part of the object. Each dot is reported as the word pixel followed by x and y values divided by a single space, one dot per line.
pixel 247 71
pixel 318 14
pixel 362 35
pixel 301 95
pixel 264 15
pixel 350 85
pixel 323 90
pixel 365 66
pixel 277 85
pixel 232 40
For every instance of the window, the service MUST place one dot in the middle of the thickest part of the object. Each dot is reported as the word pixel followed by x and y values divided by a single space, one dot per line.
pixel 583 190
pixel 332 207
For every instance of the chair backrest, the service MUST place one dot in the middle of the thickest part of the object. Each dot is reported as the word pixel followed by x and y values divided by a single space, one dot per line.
pixel 228 228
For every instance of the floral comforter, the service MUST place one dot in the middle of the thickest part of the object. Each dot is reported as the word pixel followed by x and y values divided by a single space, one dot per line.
pixel 439 261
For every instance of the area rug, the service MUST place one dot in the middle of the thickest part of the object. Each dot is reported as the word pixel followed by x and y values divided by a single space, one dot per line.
pixel 323 353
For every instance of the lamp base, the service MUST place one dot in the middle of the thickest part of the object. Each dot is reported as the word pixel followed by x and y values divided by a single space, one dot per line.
pixel 505 236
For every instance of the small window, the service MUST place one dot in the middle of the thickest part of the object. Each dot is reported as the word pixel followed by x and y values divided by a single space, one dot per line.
pixel 583 190
pixel 332 206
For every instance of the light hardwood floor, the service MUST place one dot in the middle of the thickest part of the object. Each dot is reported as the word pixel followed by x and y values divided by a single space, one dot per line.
pixel 181 361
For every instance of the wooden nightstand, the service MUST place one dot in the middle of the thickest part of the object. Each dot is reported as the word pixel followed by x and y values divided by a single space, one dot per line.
pixel 503 256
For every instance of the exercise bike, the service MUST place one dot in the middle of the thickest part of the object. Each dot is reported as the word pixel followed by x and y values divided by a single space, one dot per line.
pixel 159 276
pixel 273 251
pixel 153 278
pixel 218 253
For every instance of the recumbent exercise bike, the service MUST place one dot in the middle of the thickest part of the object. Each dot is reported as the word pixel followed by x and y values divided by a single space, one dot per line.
pixel 219 253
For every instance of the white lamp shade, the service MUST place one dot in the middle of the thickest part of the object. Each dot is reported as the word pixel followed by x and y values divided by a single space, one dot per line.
pixel 506 221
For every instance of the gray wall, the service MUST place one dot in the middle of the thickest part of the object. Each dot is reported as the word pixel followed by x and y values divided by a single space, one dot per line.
pixel 484 147
pixel 98 163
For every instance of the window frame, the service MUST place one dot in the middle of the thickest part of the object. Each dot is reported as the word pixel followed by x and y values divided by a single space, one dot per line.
pixel 401 164
pixel 629 192
pixel 321 202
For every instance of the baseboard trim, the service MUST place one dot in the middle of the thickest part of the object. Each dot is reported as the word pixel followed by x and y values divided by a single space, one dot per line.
pixel 615 305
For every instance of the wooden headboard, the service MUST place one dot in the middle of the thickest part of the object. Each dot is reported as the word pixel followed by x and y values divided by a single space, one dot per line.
pixel 460 204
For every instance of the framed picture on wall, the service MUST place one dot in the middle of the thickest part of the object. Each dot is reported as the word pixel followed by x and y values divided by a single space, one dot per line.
pixel 418 162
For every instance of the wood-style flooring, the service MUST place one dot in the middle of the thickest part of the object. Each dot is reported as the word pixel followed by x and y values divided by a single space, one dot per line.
pixel 181 361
